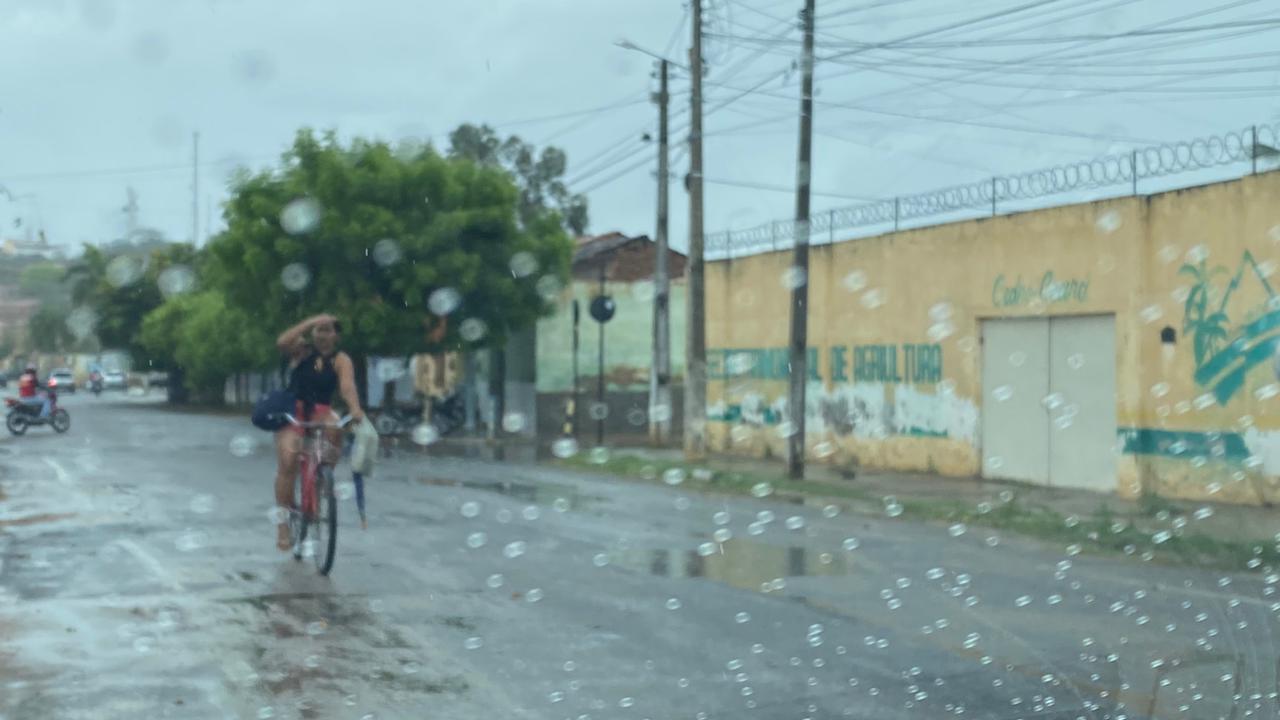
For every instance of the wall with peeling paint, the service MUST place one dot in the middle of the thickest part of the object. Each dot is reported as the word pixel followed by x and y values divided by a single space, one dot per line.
pixel 1197 417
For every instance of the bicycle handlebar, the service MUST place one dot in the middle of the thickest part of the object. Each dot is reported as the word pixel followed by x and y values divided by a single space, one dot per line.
pixel 342 422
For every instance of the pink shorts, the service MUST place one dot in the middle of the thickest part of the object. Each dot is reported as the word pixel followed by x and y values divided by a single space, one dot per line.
pixel 318 413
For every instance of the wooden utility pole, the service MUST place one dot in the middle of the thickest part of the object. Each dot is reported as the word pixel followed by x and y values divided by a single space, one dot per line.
pixel 800 263
pixel 695 376
pixel 660 367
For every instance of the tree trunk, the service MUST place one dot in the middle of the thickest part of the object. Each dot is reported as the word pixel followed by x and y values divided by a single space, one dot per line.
pixel 361 363
pixel 498 387
pixel 177 388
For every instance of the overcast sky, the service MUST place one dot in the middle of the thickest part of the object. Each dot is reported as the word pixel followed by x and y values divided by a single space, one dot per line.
pixel 101 95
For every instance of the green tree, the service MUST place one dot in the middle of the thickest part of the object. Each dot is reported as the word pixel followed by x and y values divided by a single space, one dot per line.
pixel 48 329
pixel 539 176
pixel 44 281
pixel 369 234
pixel 122 288
pixel 205 341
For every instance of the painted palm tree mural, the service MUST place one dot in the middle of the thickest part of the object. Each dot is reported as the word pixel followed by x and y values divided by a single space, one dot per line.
pixel 1208 327
pixel 1226 352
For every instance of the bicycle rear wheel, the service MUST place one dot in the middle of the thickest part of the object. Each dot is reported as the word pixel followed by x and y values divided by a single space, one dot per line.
pixel 325 523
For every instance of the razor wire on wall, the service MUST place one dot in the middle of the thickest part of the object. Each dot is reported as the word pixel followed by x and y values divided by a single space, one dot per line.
pixel 1251 144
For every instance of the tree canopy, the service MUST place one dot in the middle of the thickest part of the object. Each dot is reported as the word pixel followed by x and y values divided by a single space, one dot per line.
pixel 372 235
pixel 539 176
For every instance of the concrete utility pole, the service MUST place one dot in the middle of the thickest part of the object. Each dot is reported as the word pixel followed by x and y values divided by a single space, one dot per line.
pixel 195 189
pixel 695 376
pixel 660 367
pixel 800 263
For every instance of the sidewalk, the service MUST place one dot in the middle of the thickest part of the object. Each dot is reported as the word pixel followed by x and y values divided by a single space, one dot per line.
pixel 1200 533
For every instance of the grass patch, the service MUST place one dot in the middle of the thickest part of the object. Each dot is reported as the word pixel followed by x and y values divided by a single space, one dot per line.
pixel 703 478
pixel 1103 532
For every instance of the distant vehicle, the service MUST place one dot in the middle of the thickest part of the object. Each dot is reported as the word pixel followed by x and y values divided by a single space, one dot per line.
pixel 157 379
pixel 62 380
pixel 113 380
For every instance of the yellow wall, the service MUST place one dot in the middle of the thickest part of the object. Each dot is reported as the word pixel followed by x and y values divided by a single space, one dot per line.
pixel 932 286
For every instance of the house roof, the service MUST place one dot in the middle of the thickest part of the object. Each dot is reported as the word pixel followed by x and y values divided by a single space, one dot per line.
pixel 592 248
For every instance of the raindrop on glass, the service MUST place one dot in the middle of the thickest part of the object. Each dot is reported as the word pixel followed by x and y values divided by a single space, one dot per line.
pixel 444 301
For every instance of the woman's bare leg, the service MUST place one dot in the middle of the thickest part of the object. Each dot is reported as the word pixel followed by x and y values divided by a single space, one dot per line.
pixel 287 444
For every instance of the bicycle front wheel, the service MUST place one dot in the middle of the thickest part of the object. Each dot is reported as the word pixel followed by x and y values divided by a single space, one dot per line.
pixel 325 523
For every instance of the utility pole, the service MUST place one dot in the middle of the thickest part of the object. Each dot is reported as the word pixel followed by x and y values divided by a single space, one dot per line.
pixel 195 189
pixel 660 367
pixel 800 269
pixel 695 376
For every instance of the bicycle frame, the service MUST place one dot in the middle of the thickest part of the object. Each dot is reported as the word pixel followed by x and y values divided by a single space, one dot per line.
pixel 310 458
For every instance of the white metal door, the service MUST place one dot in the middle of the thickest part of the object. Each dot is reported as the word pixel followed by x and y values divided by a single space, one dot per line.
pixel 1082 403
pixel 1015 380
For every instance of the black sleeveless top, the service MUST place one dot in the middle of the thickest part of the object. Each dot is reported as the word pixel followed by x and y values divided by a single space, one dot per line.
pixel 314 380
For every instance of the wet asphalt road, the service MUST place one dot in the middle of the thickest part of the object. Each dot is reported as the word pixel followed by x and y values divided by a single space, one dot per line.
pixel 139 578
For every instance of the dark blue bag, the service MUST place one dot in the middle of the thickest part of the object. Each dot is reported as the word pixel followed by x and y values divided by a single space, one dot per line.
pixel 268 412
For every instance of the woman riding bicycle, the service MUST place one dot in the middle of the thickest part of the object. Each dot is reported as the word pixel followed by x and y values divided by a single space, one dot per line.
pixel 314 379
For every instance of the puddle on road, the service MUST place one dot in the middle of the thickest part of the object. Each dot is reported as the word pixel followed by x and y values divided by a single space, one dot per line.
pixel 561 497
pixel 738 563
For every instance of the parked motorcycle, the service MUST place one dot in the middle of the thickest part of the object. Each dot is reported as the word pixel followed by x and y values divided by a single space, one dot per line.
pixel 22 416
pixel 447 415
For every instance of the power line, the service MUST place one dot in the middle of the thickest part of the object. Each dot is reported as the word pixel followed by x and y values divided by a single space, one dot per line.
pixel 781 188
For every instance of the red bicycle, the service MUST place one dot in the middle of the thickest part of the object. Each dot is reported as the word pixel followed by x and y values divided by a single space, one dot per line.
pixel 314 523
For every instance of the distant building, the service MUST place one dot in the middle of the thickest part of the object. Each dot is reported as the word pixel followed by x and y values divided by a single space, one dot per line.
pixel 623 265
pixel 15 311
pixel 39 246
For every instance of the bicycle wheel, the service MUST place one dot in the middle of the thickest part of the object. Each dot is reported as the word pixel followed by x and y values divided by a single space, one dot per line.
pixel 325 523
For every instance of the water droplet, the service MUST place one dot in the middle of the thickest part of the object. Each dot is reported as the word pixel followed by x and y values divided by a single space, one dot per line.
pixel 598 410
pixel 1018 358
pixel 295 276
pixel 673 476
pixel 470 509
pixel 1160 389
pixel 762 489
pixel 830 511
pixel 444 301
pixel 515 549
pixel 523 264
pixel 564 448
pixel 795 522
pixel 473 329
pixel 301 216
pixel 893 509
pixel 940 331
pixel 549 287
pixel 1267 392
pixel 854 281
pixel 495 581
pixel 477 540
pixel 266 712
pixel 794 277
pixel 242 445
pixel 742 617
pixel 317 627
pixel 1151 313
pixel 850 544
pixel 191 541
pixel 473 643
pixel 203 504
pixel 673 603
pixel 1109 222
pixel 720 518
pixel 957 530
pixel 873 298
pixel 1161 537
pixel 1002 393
pixel 534 595
pixel 1023 601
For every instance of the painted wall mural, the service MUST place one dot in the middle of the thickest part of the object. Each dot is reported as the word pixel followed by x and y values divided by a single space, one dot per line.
pixel 868 391
pixel 1230 340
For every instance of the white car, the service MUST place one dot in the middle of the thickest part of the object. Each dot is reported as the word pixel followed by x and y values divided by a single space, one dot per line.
pixel 61 380
pixel 113 380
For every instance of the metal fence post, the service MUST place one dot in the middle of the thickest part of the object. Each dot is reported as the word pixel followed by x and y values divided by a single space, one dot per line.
pixel 831 227
pixel 1254 150
pixel 897 210
pixel 993 197
pixel 1133 169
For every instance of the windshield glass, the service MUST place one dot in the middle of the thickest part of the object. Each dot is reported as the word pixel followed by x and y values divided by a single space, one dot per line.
pixel 674 359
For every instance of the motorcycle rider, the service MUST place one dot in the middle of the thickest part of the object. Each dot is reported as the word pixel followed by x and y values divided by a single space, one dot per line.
pixel 28 387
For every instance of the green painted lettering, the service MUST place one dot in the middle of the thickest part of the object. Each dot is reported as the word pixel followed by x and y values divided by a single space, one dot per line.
pixel 838 364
